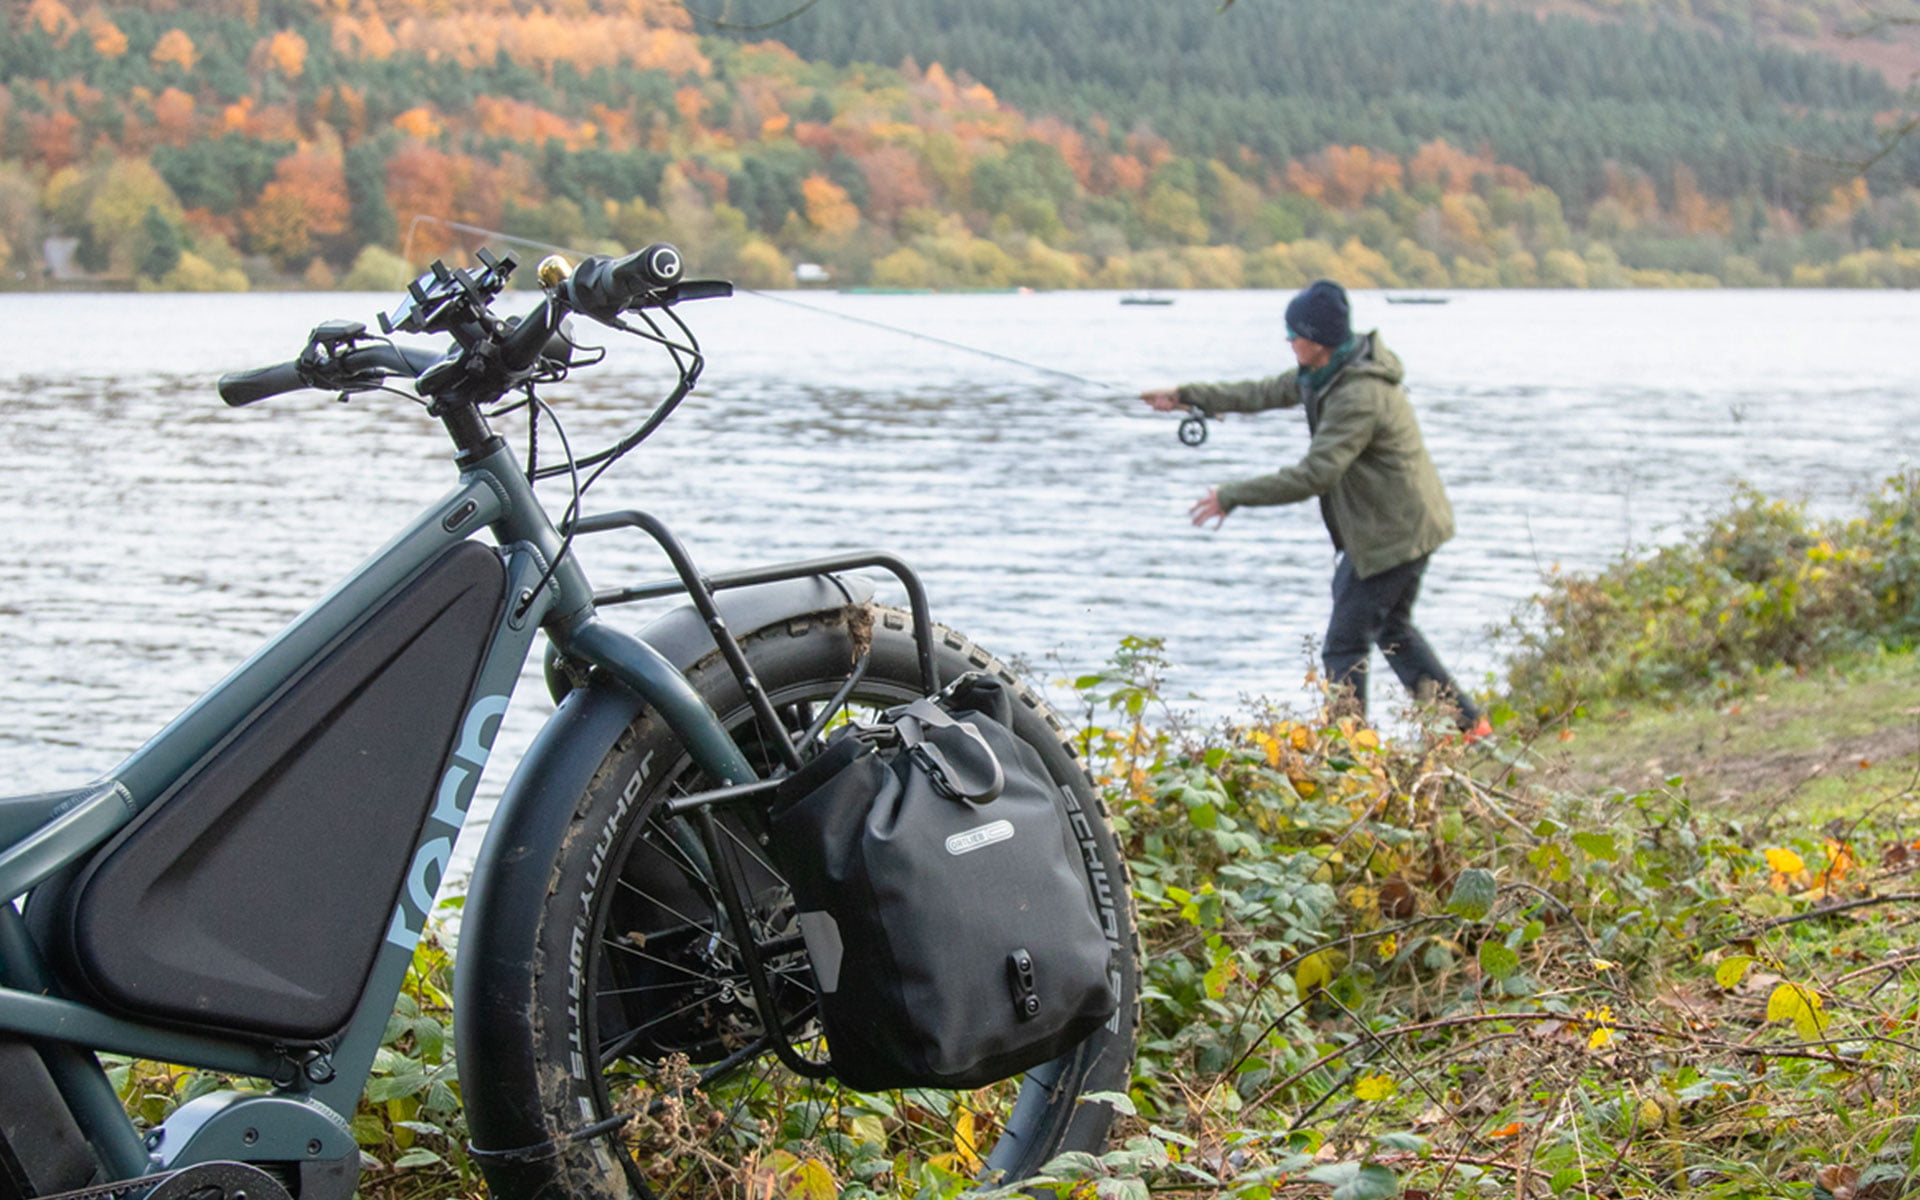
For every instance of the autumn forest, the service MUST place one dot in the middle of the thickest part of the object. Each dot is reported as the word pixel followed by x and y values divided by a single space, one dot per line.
pixel 1386 143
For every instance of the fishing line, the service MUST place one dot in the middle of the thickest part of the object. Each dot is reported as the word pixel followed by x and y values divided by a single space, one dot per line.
pixel 1193 427
pixel 928 337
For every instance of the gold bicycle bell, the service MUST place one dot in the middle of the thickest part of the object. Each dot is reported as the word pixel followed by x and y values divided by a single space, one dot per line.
pixel 553 271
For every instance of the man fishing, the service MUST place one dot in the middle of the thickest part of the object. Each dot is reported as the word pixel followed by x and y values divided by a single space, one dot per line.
pixel 1379 494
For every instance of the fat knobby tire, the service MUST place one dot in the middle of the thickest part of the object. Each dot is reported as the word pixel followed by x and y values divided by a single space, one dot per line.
pixel 615 834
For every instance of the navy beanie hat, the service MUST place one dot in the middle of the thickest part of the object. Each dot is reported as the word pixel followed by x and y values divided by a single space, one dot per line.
pixel 1319 314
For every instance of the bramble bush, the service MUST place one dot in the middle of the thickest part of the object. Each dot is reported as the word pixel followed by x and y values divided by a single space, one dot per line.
pixel 1763 585
pixel 1407 968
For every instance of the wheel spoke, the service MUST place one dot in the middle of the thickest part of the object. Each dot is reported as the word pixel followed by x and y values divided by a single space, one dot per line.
pixel 687 921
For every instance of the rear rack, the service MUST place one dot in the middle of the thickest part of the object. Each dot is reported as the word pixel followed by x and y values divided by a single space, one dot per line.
pixel 699 587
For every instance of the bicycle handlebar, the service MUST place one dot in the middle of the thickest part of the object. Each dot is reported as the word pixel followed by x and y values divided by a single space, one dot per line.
pixel 490 353
pixel 247 387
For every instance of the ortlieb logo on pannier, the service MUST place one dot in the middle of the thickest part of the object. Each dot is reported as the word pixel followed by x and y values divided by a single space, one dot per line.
pixel 942 897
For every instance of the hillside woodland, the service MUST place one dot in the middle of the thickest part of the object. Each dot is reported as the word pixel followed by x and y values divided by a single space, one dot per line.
pixel 1387 143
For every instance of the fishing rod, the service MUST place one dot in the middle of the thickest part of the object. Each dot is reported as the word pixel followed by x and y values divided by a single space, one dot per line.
pixel 1192 430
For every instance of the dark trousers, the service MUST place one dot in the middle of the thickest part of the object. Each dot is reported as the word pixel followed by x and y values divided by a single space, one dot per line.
pixel 1378 611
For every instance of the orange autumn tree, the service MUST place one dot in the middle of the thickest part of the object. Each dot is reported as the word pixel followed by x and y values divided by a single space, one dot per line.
pixel 285 52
pixel 1343 177
pixel 173 116
pixel 829 209
pixel 305 202
pixel 108 40
pixel 174 48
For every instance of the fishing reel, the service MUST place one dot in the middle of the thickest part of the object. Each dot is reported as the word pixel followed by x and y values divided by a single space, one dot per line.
pixel 1193 430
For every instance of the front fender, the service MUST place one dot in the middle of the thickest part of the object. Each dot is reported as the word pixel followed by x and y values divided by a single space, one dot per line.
pixel 493 1029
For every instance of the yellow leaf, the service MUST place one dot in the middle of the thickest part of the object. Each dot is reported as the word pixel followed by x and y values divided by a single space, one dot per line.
pixel 1374 1087
pixel 1786 862
pixel 1731 971
pixel 1799 1004
pixel 965 1141
pixel 1366 739
pixel 1315 970
pixel 813 1181
pixel 867 1129
pixel 1363 898
pixel 1651 1114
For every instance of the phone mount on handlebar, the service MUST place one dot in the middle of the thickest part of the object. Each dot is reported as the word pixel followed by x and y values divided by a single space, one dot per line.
pixel 443 300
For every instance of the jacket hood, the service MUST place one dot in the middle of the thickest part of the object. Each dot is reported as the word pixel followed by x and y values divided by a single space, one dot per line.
pixel 1375 360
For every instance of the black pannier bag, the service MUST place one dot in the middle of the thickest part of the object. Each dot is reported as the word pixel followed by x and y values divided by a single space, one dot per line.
pixel 943 899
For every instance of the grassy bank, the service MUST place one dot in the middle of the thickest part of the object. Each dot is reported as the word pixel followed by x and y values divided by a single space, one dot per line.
pixel 1657 936
pixel 1662 949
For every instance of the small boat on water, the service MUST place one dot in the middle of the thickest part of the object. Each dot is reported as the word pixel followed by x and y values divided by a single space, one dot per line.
pixel 1145 298
pixel 1422 299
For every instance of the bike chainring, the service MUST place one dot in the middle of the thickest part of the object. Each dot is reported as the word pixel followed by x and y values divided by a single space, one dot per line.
pixel 202 1181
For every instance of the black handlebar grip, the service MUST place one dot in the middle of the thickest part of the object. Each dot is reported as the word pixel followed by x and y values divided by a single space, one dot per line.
pixel 604 287
pixel 245 387
pixel 655 267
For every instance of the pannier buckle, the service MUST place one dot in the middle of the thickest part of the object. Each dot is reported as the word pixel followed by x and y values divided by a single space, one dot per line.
pixel 938 772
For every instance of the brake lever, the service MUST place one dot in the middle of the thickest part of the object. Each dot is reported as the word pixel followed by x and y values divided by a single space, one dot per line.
pixel 323 362
pixel 686 289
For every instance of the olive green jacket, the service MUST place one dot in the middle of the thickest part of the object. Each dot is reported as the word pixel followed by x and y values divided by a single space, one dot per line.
pixel 1379 493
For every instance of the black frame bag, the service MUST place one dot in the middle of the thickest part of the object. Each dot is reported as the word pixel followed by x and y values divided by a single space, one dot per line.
pixel 942 896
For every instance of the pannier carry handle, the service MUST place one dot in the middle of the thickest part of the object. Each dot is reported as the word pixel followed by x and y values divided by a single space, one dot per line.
pixel 955 756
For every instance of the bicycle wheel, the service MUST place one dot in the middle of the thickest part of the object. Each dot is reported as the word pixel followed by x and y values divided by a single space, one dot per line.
pixel 642 1002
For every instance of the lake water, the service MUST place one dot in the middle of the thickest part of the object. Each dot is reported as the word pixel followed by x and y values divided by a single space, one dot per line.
pixel 156 536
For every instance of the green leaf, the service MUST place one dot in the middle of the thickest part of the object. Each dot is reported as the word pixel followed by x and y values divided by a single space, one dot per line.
pixel 368 1130
pixel 1497 961
pixel 1354 1181
pixel 1598 845
pixel 1120 1102
pixel 419 1156
pixel 1567 1177
pixel 1474 890
pixel 1218 977
pixel 1402 1141
pixel 1550 858
pixel 380 1090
